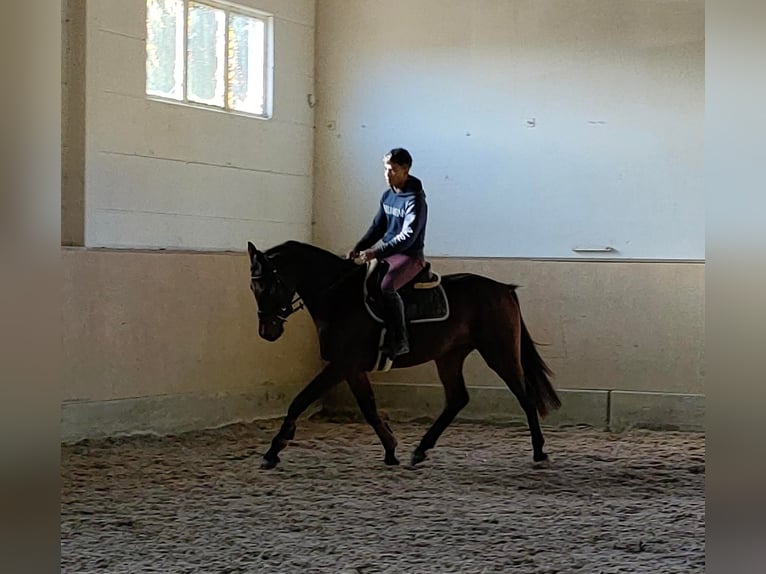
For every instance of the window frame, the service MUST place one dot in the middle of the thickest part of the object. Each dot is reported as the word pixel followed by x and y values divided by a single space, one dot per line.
pixel 268 60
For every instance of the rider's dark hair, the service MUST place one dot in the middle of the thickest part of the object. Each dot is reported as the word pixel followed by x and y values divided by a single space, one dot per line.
pixel 400 156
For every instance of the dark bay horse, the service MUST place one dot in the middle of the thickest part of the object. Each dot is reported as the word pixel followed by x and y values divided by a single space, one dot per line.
pixel 484 316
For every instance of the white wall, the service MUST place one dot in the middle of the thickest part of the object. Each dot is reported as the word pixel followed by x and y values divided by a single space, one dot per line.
pixel 615 89
pixel 160 175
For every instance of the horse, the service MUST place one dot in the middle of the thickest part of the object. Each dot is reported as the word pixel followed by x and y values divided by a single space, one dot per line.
pixel 484 315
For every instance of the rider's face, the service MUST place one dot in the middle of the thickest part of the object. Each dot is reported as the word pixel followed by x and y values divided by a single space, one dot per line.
pixel 396 175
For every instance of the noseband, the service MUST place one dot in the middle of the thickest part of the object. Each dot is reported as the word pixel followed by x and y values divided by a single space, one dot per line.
pixel 296 304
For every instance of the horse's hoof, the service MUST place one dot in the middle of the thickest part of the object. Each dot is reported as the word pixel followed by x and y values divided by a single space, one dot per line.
pixel 391 460
pixel 541 461
pixel 269 463
pixel 417 457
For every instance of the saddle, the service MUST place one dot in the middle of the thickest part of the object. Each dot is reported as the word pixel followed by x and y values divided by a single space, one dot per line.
pixel 424 297
pixel 424 301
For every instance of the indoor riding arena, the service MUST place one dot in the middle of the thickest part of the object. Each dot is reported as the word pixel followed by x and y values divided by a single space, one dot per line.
pixel 223 410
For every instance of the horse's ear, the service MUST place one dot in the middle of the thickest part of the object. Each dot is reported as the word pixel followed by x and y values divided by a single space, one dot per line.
pixel 251 250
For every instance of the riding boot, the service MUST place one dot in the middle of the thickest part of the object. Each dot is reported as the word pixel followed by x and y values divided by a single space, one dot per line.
pixel 396 342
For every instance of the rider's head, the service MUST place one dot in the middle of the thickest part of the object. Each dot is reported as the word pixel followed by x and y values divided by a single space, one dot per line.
pixel 397 165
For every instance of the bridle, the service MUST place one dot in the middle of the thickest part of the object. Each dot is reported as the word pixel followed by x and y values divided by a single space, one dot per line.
pixel 284 311
pixel 297 303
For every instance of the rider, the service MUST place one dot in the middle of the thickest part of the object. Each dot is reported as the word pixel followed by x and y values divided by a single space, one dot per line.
pixel 401 225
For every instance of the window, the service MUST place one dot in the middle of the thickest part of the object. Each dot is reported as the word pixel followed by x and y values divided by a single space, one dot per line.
pixel 209 54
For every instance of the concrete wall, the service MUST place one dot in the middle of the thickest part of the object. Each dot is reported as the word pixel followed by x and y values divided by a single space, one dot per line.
pixel 73 122
pixel 625 340
pixel 162 175
pixel 158 342
pixel 537 126
pixel 167 341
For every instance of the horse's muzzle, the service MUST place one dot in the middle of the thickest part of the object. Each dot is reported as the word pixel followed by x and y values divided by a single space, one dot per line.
pixel 270 330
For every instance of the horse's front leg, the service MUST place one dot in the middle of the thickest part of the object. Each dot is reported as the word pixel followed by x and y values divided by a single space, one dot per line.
pixel 365 398
pixel 330 376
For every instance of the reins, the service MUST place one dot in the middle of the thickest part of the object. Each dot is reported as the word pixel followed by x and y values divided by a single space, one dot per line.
pixel 297 303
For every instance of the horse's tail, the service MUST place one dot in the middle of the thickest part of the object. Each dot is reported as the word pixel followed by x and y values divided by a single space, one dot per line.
pixel 536 372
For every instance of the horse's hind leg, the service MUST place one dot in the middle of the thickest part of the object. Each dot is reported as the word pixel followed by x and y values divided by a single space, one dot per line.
pixel 509 368
pixel 450 368
pixel 530 410
pixel 365 398
pixel 329 376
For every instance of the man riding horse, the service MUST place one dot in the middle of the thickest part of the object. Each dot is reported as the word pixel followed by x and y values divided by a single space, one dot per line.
pixel 483 315
pixel 401 225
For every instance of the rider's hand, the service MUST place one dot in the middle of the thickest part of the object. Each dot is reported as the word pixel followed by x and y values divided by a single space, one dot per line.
pixel 352 254
pixel 367 255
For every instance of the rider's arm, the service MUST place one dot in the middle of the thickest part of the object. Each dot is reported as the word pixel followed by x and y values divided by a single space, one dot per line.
pixel 375 232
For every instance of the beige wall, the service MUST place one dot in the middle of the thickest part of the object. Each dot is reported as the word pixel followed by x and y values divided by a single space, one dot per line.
pixel 169 341
pixel 620 326
pixel 625 341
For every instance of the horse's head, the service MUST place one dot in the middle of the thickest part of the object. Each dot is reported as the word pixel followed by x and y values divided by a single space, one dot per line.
pixel 274 294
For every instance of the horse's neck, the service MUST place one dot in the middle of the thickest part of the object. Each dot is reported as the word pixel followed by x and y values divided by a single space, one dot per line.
pixel 317 272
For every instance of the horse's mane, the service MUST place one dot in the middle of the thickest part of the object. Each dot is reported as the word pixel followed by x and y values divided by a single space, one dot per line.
pixel 314 270
pixel 310 259
pixel 298 247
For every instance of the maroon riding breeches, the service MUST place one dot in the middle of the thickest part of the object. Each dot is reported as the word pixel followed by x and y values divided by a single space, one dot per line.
pixel 401 270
